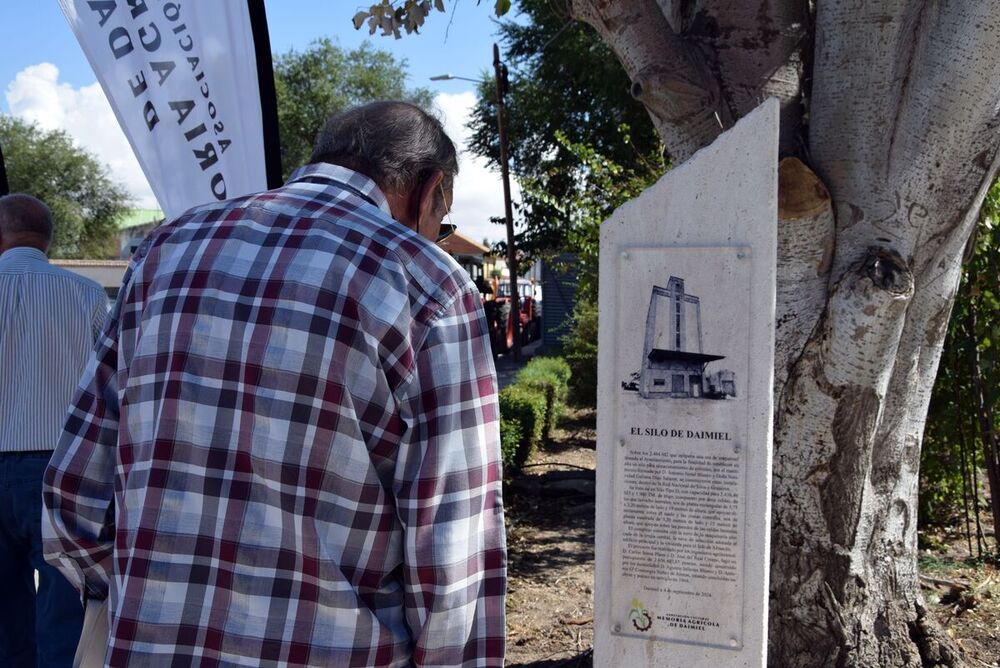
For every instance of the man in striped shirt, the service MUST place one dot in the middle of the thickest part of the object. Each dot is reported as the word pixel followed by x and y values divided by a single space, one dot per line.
pixel 287 448
pixel 49 319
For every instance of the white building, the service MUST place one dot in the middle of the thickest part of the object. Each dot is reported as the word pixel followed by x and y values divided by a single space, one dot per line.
pixel 673 361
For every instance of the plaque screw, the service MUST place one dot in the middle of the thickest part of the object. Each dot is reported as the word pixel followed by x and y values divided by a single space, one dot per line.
pixel 740 255
pixel 733 642
pixel 618 628
pixel 625 256
pixel 737 447
pixel 621 442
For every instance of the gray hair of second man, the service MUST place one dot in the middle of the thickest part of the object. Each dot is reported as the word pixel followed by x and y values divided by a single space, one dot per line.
pixel 396 144
pixel 23 217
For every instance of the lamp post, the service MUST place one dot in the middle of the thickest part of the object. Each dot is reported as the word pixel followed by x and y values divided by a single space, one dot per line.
pixel 450 77
pixel 500 75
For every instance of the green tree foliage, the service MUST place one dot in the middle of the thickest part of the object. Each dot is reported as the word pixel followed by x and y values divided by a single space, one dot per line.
pixel 601 185
pixel 962 430
pixel 580 352
pixel 325 79
pixel 566 89
pixel 604 185
pixel 390 17
pixel 86 204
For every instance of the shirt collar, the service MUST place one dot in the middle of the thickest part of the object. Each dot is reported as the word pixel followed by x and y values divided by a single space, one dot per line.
pixel 21 256
pixel 335 174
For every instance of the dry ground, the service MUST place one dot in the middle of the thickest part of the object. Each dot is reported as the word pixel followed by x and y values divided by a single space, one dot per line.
pixel 964 592
pixel 550 541
pixel 550 536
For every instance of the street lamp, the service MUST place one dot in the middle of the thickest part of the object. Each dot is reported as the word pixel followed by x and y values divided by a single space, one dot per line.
pixel 450 77
pixel 500 74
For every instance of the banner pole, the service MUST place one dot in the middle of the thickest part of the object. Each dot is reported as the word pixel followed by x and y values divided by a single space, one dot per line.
pixel 4 186
pixel 268 96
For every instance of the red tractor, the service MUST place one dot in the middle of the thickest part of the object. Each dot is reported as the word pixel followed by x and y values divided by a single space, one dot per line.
pixel 498 315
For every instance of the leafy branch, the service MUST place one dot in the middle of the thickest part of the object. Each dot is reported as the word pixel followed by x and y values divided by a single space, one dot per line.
pixel 394 16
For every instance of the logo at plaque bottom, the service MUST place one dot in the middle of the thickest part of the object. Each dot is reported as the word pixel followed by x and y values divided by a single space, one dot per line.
pixel 639 616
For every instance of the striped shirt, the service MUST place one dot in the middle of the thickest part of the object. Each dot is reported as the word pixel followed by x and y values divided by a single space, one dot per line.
pixel 49 318
pixel 286 450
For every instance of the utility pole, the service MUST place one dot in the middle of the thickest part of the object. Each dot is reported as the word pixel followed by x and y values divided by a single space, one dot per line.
pixel 500 71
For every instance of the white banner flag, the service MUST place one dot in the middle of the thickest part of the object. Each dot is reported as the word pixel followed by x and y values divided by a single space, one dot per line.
pixel 183 81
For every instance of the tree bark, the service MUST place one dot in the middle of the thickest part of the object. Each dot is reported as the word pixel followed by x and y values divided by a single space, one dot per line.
pixel 904 133
pixel 698 67
pixel 893 105
pixel 755 50
pixel 668 74
pixel 805 253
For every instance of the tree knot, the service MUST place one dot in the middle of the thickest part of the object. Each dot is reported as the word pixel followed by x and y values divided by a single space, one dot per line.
pixel 888 271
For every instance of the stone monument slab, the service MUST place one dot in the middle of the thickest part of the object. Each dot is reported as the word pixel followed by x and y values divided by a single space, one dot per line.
pixel 685 382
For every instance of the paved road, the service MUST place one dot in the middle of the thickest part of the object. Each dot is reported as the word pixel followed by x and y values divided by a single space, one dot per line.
pixel 507 368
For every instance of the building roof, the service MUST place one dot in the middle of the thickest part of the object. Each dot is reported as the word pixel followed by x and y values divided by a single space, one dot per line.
pixel 139 217
pixel 108 273
pixel 459 244
pixel 661 355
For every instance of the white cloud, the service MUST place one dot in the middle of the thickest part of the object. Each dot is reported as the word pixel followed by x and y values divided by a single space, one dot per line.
pixel 478 189
pixel 84 113
pixel 37 95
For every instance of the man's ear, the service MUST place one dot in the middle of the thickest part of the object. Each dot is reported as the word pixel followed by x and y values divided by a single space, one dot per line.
pixel 426 195
pixel 415 209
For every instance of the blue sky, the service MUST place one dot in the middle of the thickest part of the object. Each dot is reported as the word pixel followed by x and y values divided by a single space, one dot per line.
pixel 34 32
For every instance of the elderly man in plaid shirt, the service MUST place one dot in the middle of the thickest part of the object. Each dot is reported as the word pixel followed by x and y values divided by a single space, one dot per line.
pixel 285 449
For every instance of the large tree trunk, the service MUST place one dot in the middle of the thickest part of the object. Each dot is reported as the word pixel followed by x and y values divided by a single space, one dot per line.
pixel 901 139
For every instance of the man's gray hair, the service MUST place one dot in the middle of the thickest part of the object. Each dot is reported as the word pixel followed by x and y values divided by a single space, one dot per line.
pixel 23 216
pixel 396 144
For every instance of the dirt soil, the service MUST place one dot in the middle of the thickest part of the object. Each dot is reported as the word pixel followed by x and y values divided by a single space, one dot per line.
pixel 550 543
pixel 550 538
pixel 963 589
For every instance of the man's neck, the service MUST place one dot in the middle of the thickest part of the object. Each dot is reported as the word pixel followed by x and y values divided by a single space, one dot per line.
pixel 42 248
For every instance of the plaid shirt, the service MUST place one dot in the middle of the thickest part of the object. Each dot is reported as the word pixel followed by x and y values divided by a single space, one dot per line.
pixel 286 448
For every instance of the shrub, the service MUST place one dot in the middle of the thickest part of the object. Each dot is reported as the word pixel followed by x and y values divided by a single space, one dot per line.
pixel 510 441
pixel 580 352
pixel 551 376
pixel 525 406
pixel 548 367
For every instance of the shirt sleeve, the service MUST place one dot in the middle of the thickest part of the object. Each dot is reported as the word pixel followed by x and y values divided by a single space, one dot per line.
pixel 448 494
pixel 100 313
pixel 78 487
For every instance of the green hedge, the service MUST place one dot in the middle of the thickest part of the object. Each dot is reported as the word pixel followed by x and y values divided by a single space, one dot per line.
pixel 530 408
pixel 510 443
pixel 524 406
pixel 551 376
